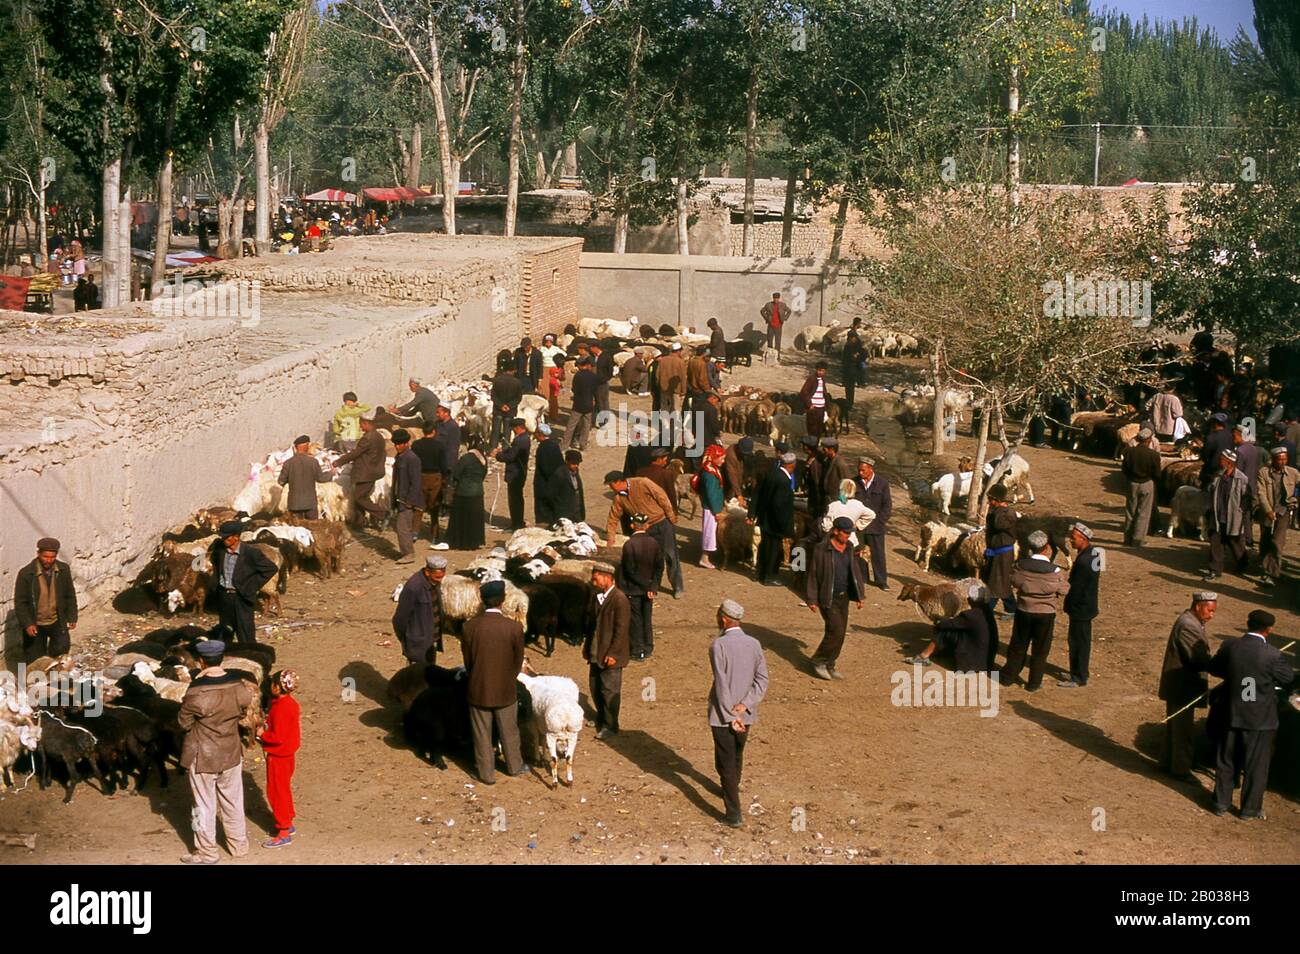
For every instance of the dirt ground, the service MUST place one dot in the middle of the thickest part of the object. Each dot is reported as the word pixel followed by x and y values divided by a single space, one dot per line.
pixel 834 773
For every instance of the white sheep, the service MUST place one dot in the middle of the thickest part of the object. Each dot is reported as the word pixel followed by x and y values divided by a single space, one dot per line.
pixel 532 408
pixel 18 730
pixel 936 540
pixel 167 688
pixel 461 600
pixel 813 335
pixel 788 428
pixel 559 715
pixel 1188 509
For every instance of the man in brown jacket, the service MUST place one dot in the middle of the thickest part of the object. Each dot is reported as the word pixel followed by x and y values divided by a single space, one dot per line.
pixel 1182 680
pixel 493 649
pixel 302 472
pixel 643 495
pixel 606 649
pixel 1038 584
pixel 367 460
pixel 213 755
pixel 670 380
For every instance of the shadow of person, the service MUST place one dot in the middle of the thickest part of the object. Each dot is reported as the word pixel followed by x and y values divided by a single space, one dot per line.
pixel 655 758
pixel 790 648
pixel 367 681
pixel 1093 741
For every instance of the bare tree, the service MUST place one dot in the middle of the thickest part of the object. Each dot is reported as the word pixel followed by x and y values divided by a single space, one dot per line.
pixel 286 56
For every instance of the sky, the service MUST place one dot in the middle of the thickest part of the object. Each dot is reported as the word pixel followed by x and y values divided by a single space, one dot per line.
pixel 1223 15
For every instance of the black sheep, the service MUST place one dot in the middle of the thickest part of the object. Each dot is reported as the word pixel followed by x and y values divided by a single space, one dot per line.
pixel 66 743
pixel 164 713
pixel 740 352
pixel 1056 528
pixel 558 606
pixel 438 721
pixel 125 740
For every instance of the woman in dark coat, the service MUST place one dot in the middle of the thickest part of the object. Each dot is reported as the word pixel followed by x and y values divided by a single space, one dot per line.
pixel 999 549
pixel 465 526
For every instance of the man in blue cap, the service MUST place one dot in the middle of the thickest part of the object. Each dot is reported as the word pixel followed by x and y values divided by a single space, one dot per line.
pixel 238 573
pixel 493 649
pixel 212 754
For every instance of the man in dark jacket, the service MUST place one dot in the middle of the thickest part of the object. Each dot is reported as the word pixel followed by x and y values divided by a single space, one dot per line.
pixel 429 450
pixel 528 365
pixel 717 340
pixel 640 571
pixel 417 621
pixel 836 468
pixel 1183 682
pixel 515 457
pixel 774 314
pixel 493 649
pixel 238 574
pixel 1081 603
pixel 212 754
pixel 971 636
pixel 834 577
pixel 813 478
pixel 507 389
pixel 873 490
pixel 547 459
pixel 733 469
pixel 604 368
pixel 302 472
pixel 408 495
pixel 853 363
pixel 45 602
pixel 1141 467
pixel 583 413
pixel 368 466
pixel 1000 549
pixel 773 510
pixel 564 496
pixel 607 647
pixel 1250 458
pixel 710 423
pixel 423 403
pixel 1217 440
pixel 1245 706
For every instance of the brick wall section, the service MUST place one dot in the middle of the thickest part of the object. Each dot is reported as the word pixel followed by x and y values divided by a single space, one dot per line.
pixel 549 290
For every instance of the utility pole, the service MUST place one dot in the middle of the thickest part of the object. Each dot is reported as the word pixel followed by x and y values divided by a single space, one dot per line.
pixel 1096 152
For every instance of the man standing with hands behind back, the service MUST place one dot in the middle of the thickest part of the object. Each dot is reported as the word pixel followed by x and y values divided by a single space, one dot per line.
pixel 739 684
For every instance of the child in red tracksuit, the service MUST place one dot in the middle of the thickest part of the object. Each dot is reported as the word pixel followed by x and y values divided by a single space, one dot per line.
pixel 280 737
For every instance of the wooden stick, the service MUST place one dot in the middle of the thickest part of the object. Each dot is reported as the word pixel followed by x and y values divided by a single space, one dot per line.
pixel 1204 694
pixel 18 839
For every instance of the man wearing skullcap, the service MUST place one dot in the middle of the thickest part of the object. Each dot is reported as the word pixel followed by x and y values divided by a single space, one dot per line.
pixel 971 635
pixel 1081 604
pixel 773 510
pixel 493 649
pixel 239 570
pixel 640 571
pixel 515 457
pixel 408 495
pixel 301 473
pixel 1243 713
pixel 1228 493
pixel 423 403
pixel 583 413
pixel 212 754
pixel 873 490
pixel 417 621
pixel 1275 500
pixel 1140 465
pixel 45 603
pixel 816 395
pixel 643 495
pixel 1250 459
pixel 739 684
pixel 1182 680
pixel 607 648
pixel 834 578
pixel 548 457
pixel 368 466
pixel 1038 583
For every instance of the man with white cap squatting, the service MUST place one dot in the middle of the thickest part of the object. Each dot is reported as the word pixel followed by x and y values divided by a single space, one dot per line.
pixel 417 621
pixel 1226 518
pixel 1081 604
pixel 1275 490
pixel 834 577
pixel 1182 680
pixel 739 684
pixel 213 755
pixel 607 648
pixel 45 602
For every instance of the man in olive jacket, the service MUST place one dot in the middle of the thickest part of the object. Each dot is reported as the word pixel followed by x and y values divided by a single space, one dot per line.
pixel 493 649
pixel 1182 680
pixel 302 472
pixel 607 648
pixel 45 602
pixel 834 577
pixel 367 460
pixel 213 754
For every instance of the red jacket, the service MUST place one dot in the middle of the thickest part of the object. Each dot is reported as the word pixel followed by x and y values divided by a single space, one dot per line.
pixel 283 733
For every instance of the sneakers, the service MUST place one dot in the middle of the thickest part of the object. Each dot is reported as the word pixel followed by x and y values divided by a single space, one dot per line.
pixel 281 841
pixel 440 546
pixel 916 661
pixel 820 671
pixel 1068 684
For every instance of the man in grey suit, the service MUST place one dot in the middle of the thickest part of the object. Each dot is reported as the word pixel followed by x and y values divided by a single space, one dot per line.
pixel 739 684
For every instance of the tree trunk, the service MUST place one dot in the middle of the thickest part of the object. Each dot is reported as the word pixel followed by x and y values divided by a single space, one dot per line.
pixel 516 132
pixel 124 247
pixel 841 216
pixel 683 214
pixel 163 238
pixel 110 199
pixel 223 226
pixel 540 180
pixel 724 169
pixel 787 214
pixel 751 133
pixel 620 231
pixel 977 478
pixel 415 156
pixel 262 189
pixel 938 419
pixel 450 178
pixel 42 227
pixel 571 159
pixel 1013 137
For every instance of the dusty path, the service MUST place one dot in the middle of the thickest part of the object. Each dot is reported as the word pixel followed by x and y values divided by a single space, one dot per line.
pixel 835 772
